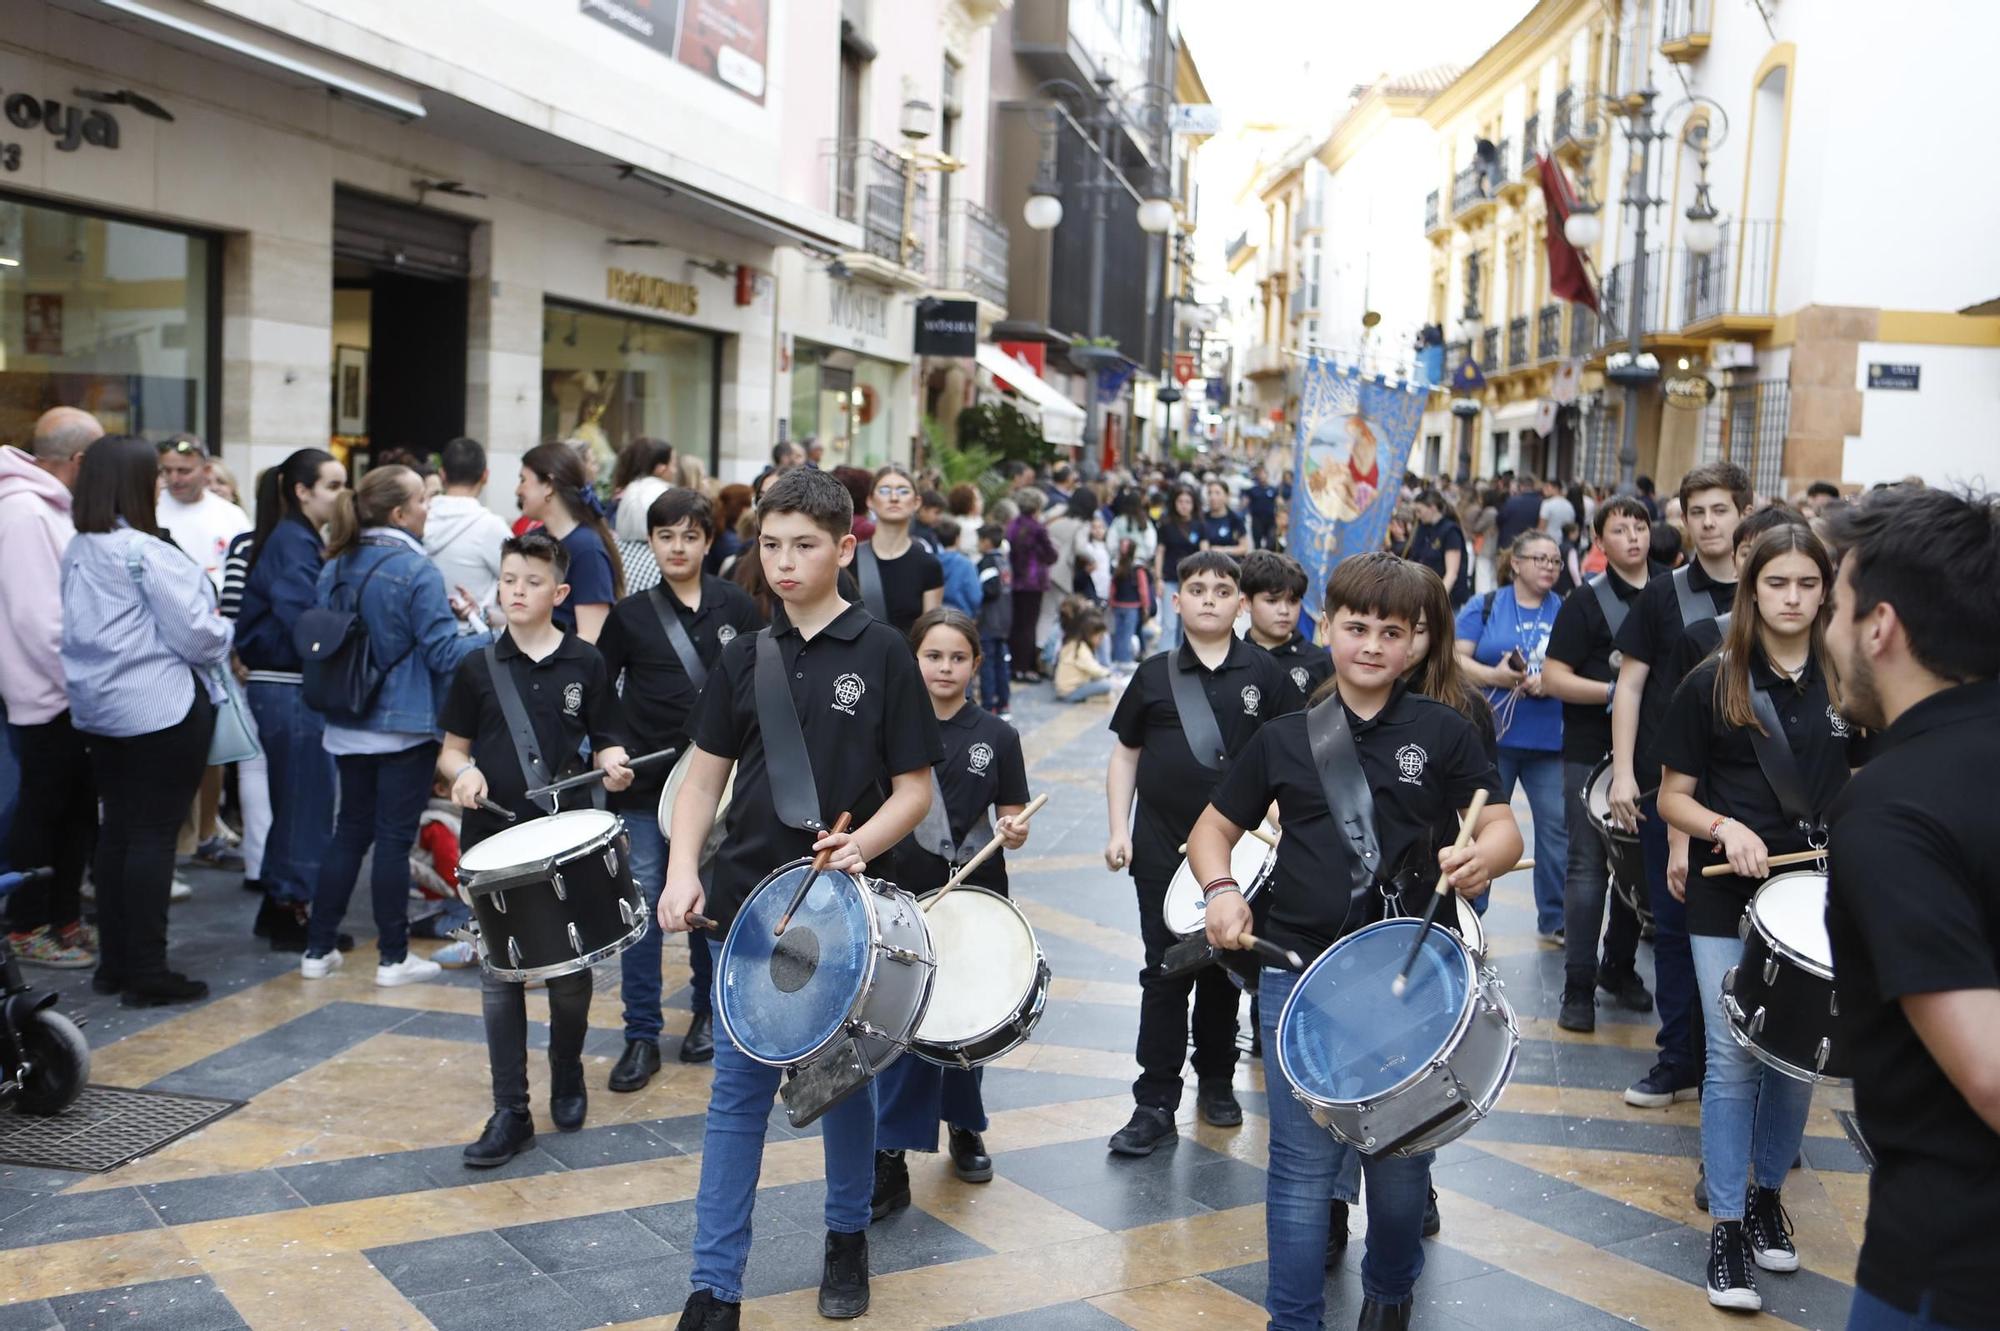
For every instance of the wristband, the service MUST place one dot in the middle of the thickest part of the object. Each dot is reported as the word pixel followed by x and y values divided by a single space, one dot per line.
pixel 1715 829
pixel 1220 885
pixel 470 763
pixel 1610 692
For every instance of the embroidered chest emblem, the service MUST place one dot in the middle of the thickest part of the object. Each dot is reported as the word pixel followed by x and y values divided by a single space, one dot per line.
pixel 1841 730
pixel 1251 697
pixel 1301 677
pixel 572 699
pixel 979 757
pixel 1410 761
pixel 847 691
pixel 726 634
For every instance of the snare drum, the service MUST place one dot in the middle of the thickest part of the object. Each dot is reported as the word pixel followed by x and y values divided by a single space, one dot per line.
pixel 1780 999
pixel 671 791
pixel 1597 803
pixel 1389 1075
pixel 554 895
pixel 837 997
pixel 1250 863
pixel 992 980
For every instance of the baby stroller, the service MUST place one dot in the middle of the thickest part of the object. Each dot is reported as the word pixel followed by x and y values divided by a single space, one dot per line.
pixel 44 1059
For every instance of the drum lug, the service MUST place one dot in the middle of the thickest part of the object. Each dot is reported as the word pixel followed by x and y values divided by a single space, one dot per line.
pixel 868 1030
pixel 904 955
pixel 1833 1002
pixel 1757 1022
pixel 514 952
pixel 611 860
pixel 1770 970
pixel 556 882
pixel 500 901
pixel 1825 1052
pixel 575 939
pixel 1743 927
pixel 626 912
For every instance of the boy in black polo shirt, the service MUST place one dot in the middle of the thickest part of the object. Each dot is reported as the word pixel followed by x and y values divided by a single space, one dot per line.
pixel 1275 587
pixel 566 693
pixel 1424 762
pixel 661 686
pixel 867 724
pixel 1243 688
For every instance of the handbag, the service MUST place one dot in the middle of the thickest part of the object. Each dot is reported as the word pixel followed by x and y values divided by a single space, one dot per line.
pixel 340 674
pixel 234 739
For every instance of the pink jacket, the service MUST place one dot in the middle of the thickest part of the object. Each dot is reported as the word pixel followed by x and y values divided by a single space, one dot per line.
pixel 34 529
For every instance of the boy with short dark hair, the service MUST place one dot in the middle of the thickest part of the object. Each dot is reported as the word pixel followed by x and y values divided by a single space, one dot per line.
pixel 866 722
pixel 561 685
pixel 1275 587
pixel 996 620
pixel 1232 688
pixel 961 576
pixel 664 641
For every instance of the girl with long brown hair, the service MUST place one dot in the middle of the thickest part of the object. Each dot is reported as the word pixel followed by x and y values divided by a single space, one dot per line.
pixel 555 492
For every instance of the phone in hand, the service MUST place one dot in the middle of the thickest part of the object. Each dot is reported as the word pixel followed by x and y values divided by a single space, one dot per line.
pixel 1514 660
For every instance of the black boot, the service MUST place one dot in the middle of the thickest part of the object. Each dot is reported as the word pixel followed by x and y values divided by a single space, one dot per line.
pixel 1626 989
pixel 1336 1235
pixel 1147 1129
pixel 705 1312
pixel 892 1185
pixel 698 1045
pixel 968 1156
pixel 1383 1316
pixel 1217 1102
pixel 508 1133
pixel 636 1065
pixel 568 1101
pixel 1579 1010
pixel 1433 1222
pixel 843 1281
pixel 162 990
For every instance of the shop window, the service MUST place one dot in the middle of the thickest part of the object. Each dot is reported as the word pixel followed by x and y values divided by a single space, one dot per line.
pixel 608 379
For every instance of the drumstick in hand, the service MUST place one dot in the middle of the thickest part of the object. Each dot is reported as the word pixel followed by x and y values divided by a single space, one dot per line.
pixel 818 867
pixel 1283 956
pixel 1402 980
pixel 986 851
pixel 1790 857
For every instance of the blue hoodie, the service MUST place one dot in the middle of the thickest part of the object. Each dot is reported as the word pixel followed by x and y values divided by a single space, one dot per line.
pixel 283 584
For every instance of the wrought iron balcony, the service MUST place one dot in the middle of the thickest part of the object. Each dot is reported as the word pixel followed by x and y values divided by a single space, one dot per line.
pixel 1736 279
pixel 1583 322
pixel 1531 136
pixel 1548 332
pixel 865 183
pixel 978 247
pixel 1517 341
pixel 1685 26
pixel 1489 351
pixel 1431 212
pixel 1566 124
pixel 1466 191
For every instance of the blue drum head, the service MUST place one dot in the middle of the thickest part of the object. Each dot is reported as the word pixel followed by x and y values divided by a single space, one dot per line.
pixel 784 996
pixel 1346 1037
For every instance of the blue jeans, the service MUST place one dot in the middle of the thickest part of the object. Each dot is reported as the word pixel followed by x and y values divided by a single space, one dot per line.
pixel 1090 688
pixel 1872 1314
pixel 1170 619
pixel 1124 633
pixel 381 797
pixel 732 1156
pixel 995 674
pixel 1753 1117
pixel 1310 1169
pixel 912 1097
pixel 301 777
pixel 639 965
pixel 1673 964
pixel 1540 773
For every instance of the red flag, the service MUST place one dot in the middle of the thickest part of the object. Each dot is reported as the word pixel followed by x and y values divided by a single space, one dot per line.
pixel 1567 276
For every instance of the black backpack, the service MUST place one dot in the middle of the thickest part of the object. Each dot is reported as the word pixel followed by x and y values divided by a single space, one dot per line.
pixel 341 678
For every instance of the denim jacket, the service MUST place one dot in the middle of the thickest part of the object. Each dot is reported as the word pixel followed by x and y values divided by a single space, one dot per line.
pixel 409 623
pixel 281 587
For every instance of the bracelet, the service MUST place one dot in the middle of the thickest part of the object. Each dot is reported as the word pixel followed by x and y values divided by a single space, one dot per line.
pixel 1610 692
pixel 1715 828
pixel 1209 892
pixel 470 763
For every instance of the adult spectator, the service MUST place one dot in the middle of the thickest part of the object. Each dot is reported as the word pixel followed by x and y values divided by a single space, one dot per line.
pixel 1130 523
pixel 142 646
pixel 1521 512
pixel 280 584
pixel 643 472
pixel 1030 553
pixel 198 520
pixel 1260 500
pixel 376 568
pixel 55 820
pixel 463 536
pixel 815 451
pixel 786 455
pixel 1066 532
pixel 1556 512
pixel 1061 482
pixel 1223 529
pixel 553 491
pixel 1647 496
pixel 1439 545
pixel 1819 495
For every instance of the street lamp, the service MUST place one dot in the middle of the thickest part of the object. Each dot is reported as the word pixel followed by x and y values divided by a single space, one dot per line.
pixel 1157 216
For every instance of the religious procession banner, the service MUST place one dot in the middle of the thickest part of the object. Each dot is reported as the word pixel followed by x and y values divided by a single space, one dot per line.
pixel 1353 445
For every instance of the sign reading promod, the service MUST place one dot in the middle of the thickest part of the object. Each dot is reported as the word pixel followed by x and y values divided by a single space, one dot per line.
pixel 657 293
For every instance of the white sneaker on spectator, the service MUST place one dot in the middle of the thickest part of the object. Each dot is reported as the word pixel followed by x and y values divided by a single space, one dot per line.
pixel 181 890
pixel 318 968
pixel 412 969
pixel 456 955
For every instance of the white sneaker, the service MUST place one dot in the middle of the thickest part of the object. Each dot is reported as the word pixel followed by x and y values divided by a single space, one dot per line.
pixel 181 890
pixel 412 969
pixel 318 968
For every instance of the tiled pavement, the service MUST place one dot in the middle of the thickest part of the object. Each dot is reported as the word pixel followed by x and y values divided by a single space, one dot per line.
pixel 335 1199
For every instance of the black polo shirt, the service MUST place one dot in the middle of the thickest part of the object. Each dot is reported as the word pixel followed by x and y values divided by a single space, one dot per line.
pixel 658 697
pixel 1308 663
pixel 567 695
pixel 1652 633
pixel 982 767
pixel 865 715
pixel 1177 543
pixel 1696 742
pixel 1915 909
pixel 1221 530
pixel 1249 689
pixel 1581 640
pixel 1432 541
pixel 905 579
pixel 1424 762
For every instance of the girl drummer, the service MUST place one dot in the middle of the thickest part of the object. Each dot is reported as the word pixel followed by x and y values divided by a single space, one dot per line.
pixel 1715 790
pixel 982 770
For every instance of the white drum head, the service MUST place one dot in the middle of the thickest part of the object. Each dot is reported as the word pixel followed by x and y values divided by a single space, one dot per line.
pixel 1184 911
pixel 539 840
pixel 1598 796
pixel 986 961
pixel 671 791
pixel 1792 909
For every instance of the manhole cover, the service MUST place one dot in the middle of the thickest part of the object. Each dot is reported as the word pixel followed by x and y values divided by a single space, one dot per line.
pixel 107 1126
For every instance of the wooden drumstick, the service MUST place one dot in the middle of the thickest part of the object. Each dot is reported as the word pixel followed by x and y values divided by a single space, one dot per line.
pixel 1790 857
pixel 1524 864
pixel 498 810
pixel 1402 980
pixel 986 851
pixel 818 867
pixel 1257 832
pixel 1283 956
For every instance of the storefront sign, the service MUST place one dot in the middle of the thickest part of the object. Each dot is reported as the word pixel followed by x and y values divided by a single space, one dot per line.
pixel 1900 378
pixel 655 293
pixel 724 39
pixel 70 126
pixel 947 327
pixel 1690 391
pixel 852 308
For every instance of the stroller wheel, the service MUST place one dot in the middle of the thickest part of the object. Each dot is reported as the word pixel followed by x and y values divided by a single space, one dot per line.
pixel 60 1059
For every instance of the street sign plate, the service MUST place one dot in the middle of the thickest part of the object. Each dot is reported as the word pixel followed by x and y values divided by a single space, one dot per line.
pixel 1197 118
pixel 1902 378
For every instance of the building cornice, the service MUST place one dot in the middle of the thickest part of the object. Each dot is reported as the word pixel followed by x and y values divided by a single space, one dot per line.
pixel 1496 70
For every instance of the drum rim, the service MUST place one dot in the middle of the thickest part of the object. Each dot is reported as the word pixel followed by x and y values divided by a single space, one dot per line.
pixel 1421 1070
pixel 1785 951
pixel 870 962
pixel 575 964
pixel 1024 1023
pixel 538 870
pixel 1605 828
pixel 1039 980
pixel 664 816
pixel 1782 1066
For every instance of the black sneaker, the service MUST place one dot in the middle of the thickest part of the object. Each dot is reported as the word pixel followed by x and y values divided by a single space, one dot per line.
pixel 892 1185
pixel 162 990
pixel 1579 1011
pixel 1730 1284
pixel 705 1312
pixel 1336 1235
pixel 1661 1087
pixel 1769 1228
pixel 1217 1102
pixel 843 1281
pixel 508 1133
pixel 1147 1129
pixel 1433 1222
pixel 1626 989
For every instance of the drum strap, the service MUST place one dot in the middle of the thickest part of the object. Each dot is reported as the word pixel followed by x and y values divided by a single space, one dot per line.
pixel 1204 736
pixel 1345 787
pixel 1609 602
pixel 1781 766
pixel 870 571
pixel 794 795
pixel 1695 605
pixel 667 606
pixel 527 749
pixel 934 832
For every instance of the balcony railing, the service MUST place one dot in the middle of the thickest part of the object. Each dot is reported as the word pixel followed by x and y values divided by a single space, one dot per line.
pixel 1489 351
pixel 1736 279
pixel 1548 332
pixel 1466 191
pixel 865 184
pixel 1583 323
pixel 978 245
pixel 1431 211
pixel 1531 135
pixel 1566 125
pixel 1504 152
pixel 1616 300
pixel 1517 341
pixel 1684 24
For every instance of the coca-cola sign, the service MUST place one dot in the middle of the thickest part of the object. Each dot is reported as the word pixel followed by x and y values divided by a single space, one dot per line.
pixel 1688 390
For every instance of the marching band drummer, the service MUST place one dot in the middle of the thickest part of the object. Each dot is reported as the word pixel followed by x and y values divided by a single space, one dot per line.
pixel 1754 723
pixel 1424 762
pixel 982 770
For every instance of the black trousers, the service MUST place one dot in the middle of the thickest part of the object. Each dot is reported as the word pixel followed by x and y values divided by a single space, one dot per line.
pixel 147 783
pixel 1163 1014
pixel 55 823
pixel 505 1005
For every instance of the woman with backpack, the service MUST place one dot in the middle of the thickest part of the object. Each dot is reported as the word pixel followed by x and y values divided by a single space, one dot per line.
pixel 384 643
pixel 143 651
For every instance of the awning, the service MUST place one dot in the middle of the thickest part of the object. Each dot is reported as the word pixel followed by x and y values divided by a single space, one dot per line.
pixel 1061 419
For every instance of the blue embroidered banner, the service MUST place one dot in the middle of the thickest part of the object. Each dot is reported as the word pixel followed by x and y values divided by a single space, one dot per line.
pixel 1353 445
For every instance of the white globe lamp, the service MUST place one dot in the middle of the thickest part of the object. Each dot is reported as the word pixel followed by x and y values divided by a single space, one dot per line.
pixel 1042 212
pixel 1157 216
pixel 1583 229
